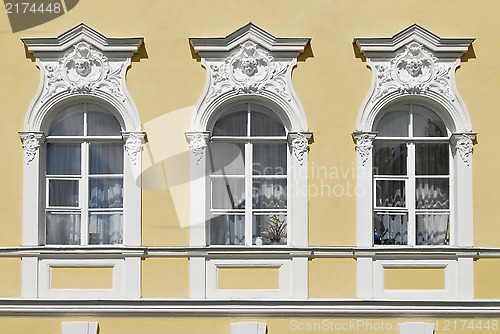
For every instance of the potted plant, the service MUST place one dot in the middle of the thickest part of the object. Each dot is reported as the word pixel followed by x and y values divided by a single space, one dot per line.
pixel 275 230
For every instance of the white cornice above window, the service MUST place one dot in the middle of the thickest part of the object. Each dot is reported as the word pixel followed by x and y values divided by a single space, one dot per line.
pixel 249 62
pixel 82 62
pixel 414 62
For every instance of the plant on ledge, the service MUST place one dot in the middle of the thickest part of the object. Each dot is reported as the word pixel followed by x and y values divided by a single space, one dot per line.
pixel 275 230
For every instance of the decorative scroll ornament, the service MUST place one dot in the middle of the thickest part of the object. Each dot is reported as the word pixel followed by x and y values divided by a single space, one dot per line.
pixel 363 147
pixel 31 144
pixel 82 70
pixel 133 145
pixel 464 147
pixel 248 70
pixel 414 71
pixel 300 145
pixel 197 145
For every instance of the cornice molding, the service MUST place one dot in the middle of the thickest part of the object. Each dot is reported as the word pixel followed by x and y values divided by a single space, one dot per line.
pixel 250 308
pixel 371 46
pixel 39 45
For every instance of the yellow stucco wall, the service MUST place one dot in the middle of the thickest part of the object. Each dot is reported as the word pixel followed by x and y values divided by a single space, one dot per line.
pixel 486 275
pixel 330 80
pixel 248 278
pixel 414 279
pixel 81 278
pixel 165 278
pixel 10 277
pixel 298 325
pixel 332 278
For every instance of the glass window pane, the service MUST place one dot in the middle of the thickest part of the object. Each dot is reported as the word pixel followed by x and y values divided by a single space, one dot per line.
pixel 432 159
pixel 106 229
pixel 390 229
pixel 269 159
pixel 389 158
pixel 64 193
pixel 432 194
pixel 228 193
pixel 226 230
pixel 68 122
pixel 105 193
pixel 433 229
pixel 426 123
pixel 63 158
pixel 390 194
pixel 269 193
pixel 233 124
pixel 227 158
pixel 265 125
pixel 271 229
pixel 394 123
pixel 102 123
pixel 62 228
pixel 106 158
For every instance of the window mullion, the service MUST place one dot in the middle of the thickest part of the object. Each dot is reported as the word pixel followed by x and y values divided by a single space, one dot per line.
pixel 84 193
pixel 410 195
pixel 248 194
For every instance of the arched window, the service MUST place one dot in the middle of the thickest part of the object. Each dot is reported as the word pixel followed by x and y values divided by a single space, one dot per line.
pixel 84 177
pixel 248 178
pixel 411 178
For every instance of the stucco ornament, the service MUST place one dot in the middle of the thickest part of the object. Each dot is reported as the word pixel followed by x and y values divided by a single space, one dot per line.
pixel 82 70
pixel 464 146
pixel 364 145
pixel 300 145
pixel 248 70
pixel 414 71
pixel 197 145
pixel 31 145
pixel 133 145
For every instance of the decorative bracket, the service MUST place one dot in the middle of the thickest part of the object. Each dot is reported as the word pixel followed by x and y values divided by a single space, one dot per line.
pixel 463 144
pixel 133 144
pixel 197 143
pixel 31 144
pixel 299 142
pixel 364 144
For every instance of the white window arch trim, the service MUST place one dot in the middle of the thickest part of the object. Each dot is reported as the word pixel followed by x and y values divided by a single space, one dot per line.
pixel 100 80
pixel 416 66
pixel 266 80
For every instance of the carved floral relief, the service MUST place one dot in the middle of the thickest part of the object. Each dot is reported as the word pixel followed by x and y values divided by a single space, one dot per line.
pixel 248 70
pixel 414 71
pixel 82 70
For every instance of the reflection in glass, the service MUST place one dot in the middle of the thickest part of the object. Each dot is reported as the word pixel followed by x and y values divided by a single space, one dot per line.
pixel 226 230
pixel 228 192
pixel 63 193
pixel 105 229
pixel 106 193
pixel 394 123
pixel 432 159
pixel 390 229
pixel 106 158
pixel 62 228
pixel 433 229
pixel 233 124
pixel 389 158
pixel 390 193
pixel 432 194
pixel 227 158
pixel 269 193
pixel 269 158
pixel 63 158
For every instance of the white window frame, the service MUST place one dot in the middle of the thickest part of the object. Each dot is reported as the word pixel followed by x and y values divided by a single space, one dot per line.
pixel 59 89
pixel 248 142
pixel 410 180
pixel 229 85
pixel 433 87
